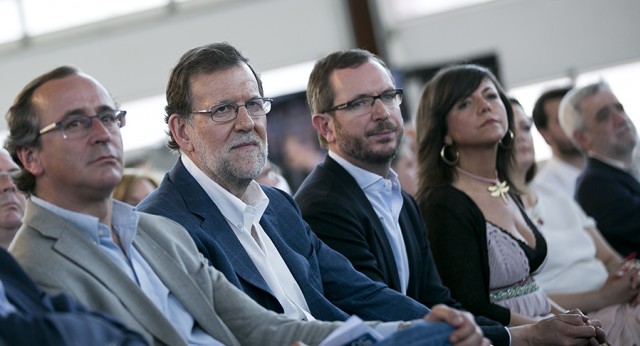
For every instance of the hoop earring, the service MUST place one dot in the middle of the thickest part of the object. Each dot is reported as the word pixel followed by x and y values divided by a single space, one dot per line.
pixel 509 144
pixel 443 155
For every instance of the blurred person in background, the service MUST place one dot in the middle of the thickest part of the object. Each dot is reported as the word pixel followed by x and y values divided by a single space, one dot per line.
pixel 592 276
pixel 12 201
pixel 404 163
pixel 134 186
pixel 562 169
pixel 271 175
pixel 607 189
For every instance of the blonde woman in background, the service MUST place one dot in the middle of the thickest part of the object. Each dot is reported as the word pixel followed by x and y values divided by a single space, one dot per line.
pixel 134 186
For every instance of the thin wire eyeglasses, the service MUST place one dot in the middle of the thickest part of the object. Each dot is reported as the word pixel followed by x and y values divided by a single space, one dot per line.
pixel 225 112
pixel 76 125
pixel 364 105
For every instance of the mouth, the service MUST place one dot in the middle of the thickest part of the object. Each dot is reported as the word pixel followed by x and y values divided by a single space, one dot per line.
pixel 10 205
pixel 624 129
pixel 105 158
pixel 245 145
pixel 383 130
pixel 489 121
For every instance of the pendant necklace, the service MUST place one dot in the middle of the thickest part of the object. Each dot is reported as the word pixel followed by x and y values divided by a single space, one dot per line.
pixel 497 189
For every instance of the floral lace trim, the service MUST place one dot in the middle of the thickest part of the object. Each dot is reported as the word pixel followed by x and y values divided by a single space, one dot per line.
pixel 520 288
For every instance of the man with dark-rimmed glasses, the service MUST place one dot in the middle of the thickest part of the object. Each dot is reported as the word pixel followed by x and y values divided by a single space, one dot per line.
pixel 354 203
pixel 253 233
pixel 143 269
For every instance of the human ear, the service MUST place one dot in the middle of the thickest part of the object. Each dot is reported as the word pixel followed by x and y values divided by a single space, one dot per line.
pixel 30 159
pixel 324 124
pixel 583 141
pixel 448 140
pixel 179 130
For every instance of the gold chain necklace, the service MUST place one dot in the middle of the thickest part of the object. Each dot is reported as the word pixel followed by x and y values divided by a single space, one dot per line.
pixel 496 189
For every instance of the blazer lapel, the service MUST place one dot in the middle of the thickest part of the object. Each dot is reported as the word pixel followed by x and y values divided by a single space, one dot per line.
pixel 361 200
pixel 216 226
pixel 70 243
pixel 294 261
pixel 183 287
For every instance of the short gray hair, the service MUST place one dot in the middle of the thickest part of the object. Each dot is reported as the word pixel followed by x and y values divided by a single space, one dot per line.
pixel 570 115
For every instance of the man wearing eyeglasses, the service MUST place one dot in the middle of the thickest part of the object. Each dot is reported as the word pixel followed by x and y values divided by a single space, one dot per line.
pixel 11 200
pixel 353 200
pixel 143 269
pixel 253 233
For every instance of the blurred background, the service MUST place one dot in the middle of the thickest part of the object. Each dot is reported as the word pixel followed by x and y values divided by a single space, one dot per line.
pixel 131 45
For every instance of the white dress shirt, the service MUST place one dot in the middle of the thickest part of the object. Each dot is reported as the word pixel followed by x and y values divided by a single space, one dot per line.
pixel 243 214
pixel 385 197
pixel 558 175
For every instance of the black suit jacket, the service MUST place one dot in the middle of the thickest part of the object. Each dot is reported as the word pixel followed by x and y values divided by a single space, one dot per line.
pixel 340 214
pixel 44 320
pixel 612 197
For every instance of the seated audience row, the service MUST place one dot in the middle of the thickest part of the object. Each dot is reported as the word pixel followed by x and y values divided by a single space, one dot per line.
pixel 147 271
pixel 581 269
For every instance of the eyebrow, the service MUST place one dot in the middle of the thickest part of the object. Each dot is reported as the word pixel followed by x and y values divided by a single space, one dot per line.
pixel 603 111
pixel 489 88
pixel 81 111
pixel 229 101
pixel 370 95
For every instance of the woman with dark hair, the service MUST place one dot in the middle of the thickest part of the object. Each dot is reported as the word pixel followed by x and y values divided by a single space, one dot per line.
pixel 484 245
pixel 591 276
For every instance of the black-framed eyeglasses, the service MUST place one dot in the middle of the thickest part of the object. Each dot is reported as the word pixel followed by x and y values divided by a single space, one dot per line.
pixel 364 105
pixel 76 125
pixel 12 172
pixel 224 112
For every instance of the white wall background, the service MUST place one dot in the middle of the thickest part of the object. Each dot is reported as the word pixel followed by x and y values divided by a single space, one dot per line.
pixel 535 40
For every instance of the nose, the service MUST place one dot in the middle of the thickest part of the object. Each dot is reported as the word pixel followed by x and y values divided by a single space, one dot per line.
pixel 620 116
pixel 6 185
pixel 485 106
pixel 379 110
pixel 244 121
pixel 99 130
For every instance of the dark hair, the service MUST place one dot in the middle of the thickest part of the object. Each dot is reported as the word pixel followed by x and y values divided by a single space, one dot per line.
pixel 540 117
pixel 440 94
pixel 204 59
pixel 320 92
pixel 533 169
pixel 24 125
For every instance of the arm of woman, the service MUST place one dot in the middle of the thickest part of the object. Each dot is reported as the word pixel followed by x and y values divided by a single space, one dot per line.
pixel 611 259
pixel 457 233
pixel 616 290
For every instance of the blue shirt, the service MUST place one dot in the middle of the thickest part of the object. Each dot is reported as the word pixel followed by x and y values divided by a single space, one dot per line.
pixel 124 221
pixel 6 307
pixel 385 196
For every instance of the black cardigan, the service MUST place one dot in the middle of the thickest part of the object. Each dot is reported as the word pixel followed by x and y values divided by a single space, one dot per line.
pixel 457 231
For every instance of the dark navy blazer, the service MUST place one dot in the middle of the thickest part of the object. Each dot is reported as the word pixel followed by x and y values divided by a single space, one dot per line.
pixel 43 320
pixel 331 286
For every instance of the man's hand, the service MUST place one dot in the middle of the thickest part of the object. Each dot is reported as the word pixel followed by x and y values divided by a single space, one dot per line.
pixel 466 332
pixel 570 328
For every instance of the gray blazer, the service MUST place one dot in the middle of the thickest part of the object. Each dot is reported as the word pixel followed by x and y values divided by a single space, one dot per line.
pixel 60 259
